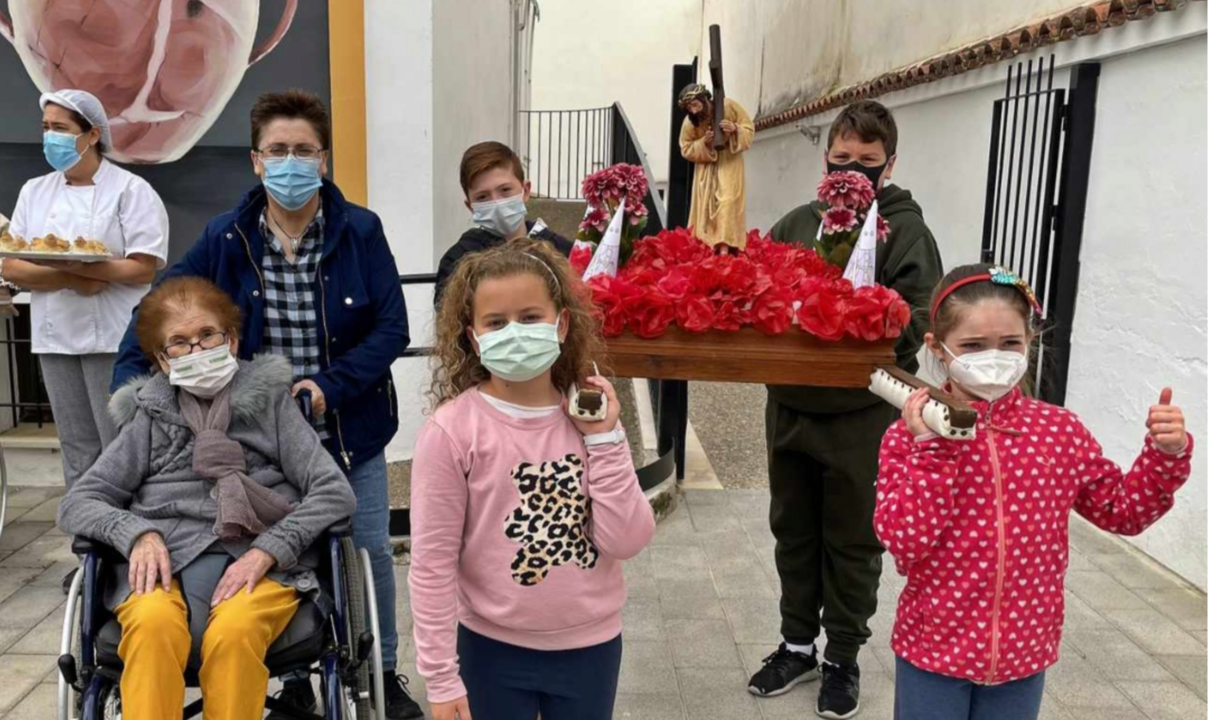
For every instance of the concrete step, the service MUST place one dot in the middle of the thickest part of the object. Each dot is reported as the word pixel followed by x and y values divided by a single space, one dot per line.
pixel 33 467
pixel 562 216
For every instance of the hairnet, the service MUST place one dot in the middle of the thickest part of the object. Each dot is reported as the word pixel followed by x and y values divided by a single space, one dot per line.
pixel 87 105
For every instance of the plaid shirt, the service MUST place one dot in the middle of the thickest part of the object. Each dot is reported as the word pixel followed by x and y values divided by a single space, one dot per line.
pixel 290 313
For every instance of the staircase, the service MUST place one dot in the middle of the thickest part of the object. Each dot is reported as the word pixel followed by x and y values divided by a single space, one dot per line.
pixel 561 147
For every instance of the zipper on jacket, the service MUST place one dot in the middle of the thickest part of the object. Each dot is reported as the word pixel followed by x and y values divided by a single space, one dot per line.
pixel 995 632
pixel 251 260
pixel 347 457
pixel 390 396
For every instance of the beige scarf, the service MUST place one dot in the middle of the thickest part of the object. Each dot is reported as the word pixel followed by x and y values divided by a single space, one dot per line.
pixel 244 507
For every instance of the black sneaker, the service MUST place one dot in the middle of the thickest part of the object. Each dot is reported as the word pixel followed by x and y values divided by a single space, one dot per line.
pixel 839 697
pixel 298 695
pixel 399 705
pixel 782 671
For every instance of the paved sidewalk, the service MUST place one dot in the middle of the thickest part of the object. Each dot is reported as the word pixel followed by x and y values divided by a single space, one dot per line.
pixel 703 612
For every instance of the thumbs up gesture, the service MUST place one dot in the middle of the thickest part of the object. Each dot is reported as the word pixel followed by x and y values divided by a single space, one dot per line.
pixel 1166 426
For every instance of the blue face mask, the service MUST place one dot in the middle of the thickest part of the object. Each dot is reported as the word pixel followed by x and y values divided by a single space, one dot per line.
pixel 292 181
pixel 60 150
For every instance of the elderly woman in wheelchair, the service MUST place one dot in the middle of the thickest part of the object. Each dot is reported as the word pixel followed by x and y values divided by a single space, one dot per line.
pixel 213 495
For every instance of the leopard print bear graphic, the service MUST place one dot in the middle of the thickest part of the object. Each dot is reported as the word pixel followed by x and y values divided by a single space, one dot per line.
pixel 550 522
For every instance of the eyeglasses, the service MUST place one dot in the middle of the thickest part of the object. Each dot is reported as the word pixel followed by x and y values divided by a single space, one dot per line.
pixel 280 152
pixel 207 341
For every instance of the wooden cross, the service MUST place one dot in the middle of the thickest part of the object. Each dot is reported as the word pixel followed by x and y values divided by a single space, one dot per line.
pixel 719 88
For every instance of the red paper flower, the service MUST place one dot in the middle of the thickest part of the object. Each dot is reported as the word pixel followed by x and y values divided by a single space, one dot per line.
pixel 651 318
pixel 729 317
pixel 772 313
pixel 864 317
pixel 674 277
pixel 694 314
pixel 893 310
pixel 614 297
pixel 816 266
pixel 882 228
pixel 707 275
pixel 580 257
pixel 823 304
pixel 846 189
pixel 675 284
pixel 736 275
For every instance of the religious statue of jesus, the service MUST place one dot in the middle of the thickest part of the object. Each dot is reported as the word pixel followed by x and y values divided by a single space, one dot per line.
pixel 719 203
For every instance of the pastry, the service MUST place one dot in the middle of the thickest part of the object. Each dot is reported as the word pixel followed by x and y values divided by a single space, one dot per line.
pixel 90 247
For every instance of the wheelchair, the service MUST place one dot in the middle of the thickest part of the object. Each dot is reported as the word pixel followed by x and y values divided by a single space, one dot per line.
pixel 339 646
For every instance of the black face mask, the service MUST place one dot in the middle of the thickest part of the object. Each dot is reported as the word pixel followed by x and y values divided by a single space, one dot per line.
pixel 872 173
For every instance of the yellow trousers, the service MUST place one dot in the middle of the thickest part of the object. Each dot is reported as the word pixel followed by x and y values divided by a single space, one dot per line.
pixel 155 649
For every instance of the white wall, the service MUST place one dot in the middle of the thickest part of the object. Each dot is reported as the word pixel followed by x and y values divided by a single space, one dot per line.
pixel 471 65
pixel 592 54
pixel 399 86
pixel 438 79
pixel 1141 317
pixel 398 119
pixel 782 52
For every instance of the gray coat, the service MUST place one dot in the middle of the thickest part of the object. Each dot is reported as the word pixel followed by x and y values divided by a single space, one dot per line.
pixel 145 480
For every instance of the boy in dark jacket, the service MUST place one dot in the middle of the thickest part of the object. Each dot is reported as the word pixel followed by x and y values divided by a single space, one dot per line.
pixel 497 194
pixel 823 444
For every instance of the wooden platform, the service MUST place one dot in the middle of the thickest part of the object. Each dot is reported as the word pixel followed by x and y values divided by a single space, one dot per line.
pixel 749 356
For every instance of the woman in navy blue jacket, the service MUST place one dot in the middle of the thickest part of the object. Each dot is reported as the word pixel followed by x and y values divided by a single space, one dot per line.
pixel 315 280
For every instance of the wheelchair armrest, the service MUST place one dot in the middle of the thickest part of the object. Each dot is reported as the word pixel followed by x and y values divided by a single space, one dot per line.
pixel 341 529
pixel 84 546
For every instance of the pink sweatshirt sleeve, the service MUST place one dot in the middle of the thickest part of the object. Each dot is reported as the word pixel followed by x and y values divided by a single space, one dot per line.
pixel 438 515
pixel 914 495
pixel 1127 504
pixel 622 522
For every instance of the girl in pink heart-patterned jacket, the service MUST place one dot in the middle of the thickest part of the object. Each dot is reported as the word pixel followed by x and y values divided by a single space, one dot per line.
pixel 980 528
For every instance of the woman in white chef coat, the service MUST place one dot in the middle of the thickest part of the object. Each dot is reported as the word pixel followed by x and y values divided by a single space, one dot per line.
pixel 80 311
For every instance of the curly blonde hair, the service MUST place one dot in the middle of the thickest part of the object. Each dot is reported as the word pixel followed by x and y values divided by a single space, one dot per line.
pixel 456 366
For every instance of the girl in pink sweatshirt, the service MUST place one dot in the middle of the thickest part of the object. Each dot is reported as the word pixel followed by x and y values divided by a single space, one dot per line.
pixel 521 516
pixel 980 528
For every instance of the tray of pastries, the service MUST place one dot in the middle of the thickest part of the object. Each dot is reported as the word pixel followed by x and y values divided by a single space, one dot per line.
pixel 52 247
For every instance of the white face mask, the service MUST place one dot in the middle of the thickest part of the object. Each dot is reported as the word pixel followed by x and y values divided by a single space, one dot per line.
pixel 989 374
pixel 501 217
pixel 203 374
pixel 519 352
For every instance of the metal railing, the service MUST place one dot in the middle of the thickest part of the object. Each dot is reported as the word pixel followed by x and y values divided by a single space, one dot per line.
pixel 572 144
pixel 564 146
pixel 24 374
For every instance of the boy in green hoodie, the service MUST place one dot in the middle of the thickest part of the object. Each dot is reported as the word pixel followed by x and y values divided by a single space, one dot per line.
pixel 823 443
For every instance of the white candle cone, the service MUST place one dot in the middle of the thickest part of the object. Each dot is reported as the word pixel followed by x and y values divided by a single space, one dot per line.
pixel 607 259
pixel 862 266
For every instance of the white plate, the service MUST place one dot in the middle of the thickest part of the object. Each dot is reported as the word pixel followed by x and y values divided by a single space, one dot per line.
pixel 61 257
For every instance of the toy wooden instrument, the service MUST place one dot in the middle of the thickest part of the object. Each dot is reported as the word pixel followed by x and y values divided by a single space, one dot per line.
pixel 945 415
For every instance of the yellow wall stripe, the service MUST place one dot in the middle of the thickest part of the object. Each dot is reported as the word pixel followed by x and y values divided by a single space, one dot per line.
pixel 346 46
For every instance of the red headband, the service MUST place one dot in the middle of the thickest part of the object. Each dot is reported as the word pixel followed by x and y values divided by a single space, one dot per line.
pixel 998 276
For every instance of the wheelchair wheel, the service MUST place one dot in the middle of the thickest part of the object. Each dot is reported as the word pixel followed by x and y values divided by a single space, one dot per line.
pixel 102 702
pixel 375 627
pixel 360 705
pixel 69 644
pixel 110 703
